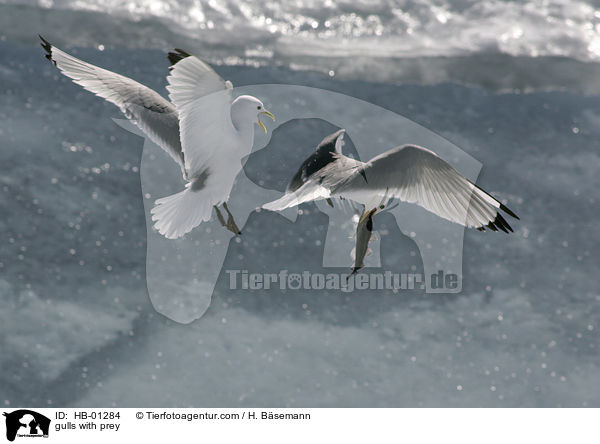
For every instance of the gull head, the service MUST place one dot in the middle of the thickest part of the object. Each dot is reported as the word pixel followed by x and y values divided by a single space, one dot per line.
pixel 247 109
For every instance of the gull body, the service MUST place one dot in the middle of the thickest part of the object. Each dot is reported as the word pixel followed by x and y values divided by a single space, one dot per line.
pixel 203 130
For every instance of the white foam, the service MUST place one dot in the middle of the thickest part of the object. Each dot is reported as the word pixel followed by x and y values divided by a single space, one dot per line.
pixel 379 27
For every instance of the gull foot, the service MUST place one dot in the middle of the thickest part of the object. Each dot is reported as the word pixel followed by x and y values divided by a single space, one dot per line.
pixel 231 225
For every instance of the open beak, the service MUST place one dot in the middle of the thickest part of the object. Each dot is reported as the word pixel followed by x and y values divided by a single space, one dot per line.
pixel 266 113
pixel 269 113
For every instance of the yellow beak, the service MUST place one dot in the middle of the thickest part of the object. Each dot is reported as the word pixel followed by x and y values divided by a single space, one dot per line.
pixel 269 113
pixel 266 113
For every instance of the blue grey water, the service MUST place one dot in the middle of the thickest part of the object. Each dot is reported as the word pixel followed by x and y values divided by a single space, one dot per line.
pixel 77 325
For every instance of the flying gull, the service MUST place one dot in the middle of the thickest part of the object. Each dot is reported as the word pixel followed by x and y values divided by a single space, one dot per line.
pixel 409 173
pixel 201 128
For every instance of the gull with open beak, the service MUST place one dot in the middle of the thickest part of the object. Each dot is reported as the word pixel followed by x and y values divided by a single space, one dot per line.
pixel 268 114
pixel 204 130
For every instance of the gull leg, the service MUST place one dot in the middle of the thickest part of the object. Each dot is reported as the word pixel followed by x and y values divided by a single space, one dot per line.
pixel 231 225
pixel 364 231
pixel 220 216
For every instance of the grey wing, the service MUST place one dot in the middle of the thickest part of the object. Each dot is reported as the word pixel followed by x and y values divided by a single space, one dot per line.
pixel 323 155
pixel 151 112
pixel 415 174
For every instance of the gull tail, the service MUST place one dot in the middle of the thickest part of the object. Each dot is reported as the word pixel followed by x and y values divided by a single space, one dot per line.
pixel 308 192
pixel 178 214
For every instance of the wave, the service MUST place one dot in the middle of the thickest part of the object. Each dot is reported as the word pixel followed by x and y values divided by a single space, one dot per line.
pixel 386 28
pixel 494 70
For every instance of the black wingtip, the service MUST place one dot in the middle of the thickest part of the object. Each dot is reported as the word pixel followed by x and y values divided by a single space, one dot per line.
pixel 502 206
pixel 499 223
pixel 47 47
pixel 502 224
pixel 507 211
pixel 177 55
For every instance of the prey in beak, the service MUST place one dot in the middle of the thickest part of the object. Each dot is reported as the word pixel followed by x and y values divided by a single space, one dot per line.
pixel 266 113
pixel 364 232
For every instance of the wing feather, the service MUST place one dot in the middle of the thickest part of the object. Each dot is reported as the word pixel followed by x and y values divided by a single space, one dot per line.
pixel 415 174
pixel 203 100
pixel 151 112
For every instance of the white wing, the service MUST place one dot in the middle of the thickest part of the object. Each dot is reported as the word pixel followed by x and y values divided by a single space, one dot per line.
pixel 203 100
pixel 415 174
pixel 151 112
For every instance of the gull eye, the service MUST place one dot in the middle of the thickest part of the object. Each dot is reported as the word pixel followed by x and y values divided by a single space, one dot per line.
pixel 258 107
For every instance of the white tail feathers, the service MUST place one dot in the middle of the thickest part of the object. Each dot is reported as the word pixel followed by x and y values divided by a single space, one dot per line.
pixel 178 214
pixel 307 192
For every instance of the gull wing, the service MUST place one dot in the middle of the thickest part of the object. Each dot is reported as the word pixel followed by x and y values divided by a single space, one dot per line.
pixel 415 174
pixel 151 112
pixel 323 155
pixel 203 100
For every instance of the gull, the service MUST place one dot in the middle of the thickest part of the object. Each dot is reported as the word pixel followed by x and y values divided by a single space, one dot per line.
pixel 407 173
pixel 203 130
